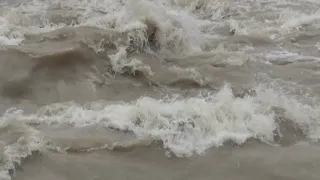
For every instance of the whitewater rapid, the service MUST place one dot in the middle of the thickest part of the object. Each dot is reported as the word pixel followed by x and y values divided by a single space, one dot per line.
pixel 190 75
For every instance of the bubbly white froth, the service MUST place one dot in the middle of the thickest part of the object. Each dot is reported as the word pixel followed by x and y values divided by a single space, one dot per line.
pixel 185 126
pixel 185 26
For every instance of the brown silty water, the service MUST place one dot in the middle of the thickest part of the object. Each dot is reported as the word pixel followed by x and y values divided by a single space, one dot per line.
pixel 182 89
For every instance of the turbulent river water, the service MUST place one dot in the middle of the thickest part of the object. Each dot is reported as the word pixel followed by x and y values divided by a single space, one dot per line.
pixel 159 89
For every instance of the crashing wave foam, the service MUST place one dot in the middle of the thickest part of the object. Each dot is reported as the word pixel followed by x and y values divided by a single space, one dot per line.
pixel 23 146
pixel 192 125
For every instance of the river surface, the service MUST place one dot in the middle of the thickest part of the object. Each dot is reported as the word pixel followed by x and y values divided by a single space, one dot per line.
pixel 159 89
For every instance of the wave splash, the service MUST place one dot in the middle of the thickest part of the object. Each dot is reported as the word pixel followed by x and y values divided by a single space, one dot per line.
pixel 50 50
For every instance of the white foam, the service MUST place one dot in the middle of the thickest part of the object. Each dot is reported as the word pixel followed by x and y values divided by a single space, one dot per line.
pixel 285 56
pixel 185 27
pixel 276 55
pixel 119 62
pixel 191 125
pixel 25 18
pixel 179 30
pixel 298 20
pixel 13 154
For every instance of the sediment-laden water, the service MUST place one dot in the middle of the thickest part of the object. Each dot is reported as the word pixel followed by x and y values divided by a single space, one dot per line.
pixel 159 89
